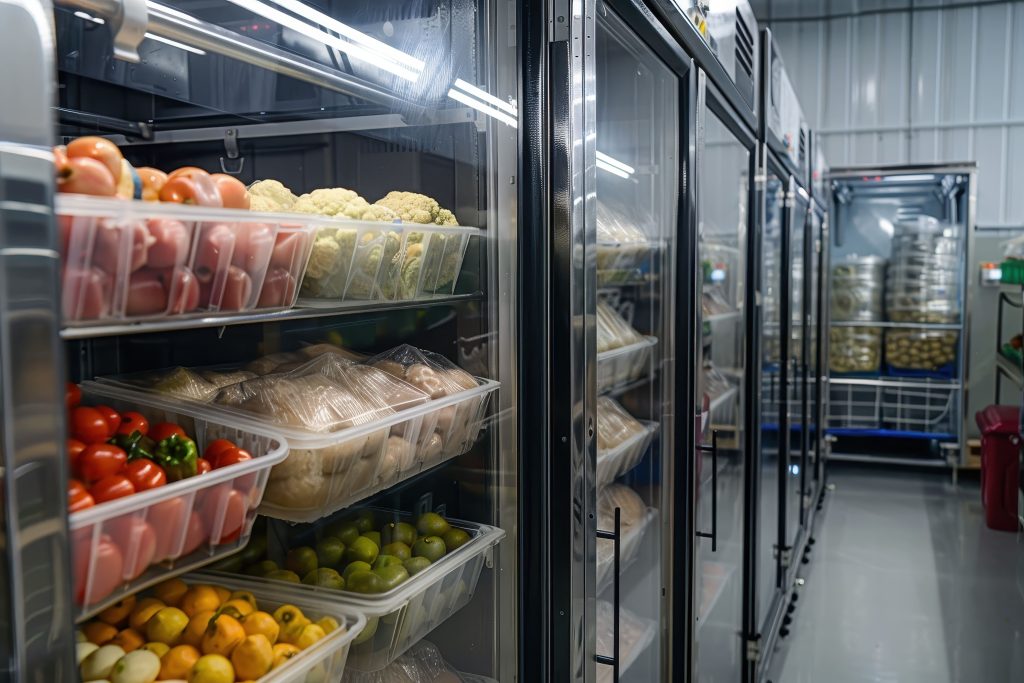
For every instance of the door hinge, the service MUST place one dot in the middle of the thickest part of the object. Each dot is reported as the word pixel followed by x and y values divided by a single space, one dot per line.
pixel 785 556
pixel 753 648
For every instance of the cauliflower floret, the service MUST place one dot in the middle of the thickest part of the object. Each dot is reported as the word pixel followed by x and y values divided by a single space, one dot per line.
pixel 417 208
pixel 335 201
pixel 376 212
pixel 270 192
pixel 324 257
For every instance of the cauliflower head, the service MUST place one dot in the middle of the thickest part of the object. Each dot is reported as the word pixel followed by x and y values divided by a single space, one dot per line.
pixel 267 193
pixel 324 257
pixel 417 208
pixel 341 202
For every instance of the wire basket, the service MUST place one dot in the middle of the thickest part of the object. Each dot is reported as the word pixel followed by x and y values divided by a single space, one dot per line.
pixel 928 410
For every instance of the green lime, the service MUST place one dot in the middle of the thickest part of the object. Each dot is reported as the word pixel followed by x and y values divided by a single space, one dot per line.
pixel 330 551
pixel 326 577
pixel 398 549
pixel 364 582
pixel 362 549
pixel 255 550
pixel 455 538
pixel 398 532
pixel 431 524
pixel 373 536
pixel 430 547
pixel 345 531
pixel 261 568
pixel 367 633
pixel 392 575
pixel 283 575
pixel 365 521
pixel 386 561
pixel 301 560
pixel 356 566
pixel 414 565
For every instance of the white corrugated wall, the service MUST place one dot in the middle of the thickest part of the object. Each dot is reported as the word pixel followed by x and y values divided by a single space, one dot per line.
pixel 884 82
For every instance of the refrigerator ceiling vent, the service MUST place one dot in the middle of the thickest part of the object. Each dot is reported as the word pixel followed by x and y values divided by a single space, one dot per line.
pixel 744 45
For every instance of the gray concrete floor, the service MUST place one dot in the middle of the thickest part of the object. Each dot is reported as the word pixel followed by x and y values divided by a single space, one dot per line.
pixel 906 584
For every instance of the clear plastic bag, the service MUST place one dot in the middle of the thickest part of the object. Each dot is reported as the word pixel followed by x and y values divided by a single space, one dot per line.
pixel 422 663
pixel 614 424
pixel 621 243
pixel 612 329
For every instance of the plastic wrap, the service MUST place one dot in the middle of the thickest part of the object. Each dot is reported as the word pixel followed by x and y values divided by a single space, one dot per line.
pixel 436 376
pixel 612 329
pixel 614 424
pixel 635 635
pixel 621 243
pixel 633 518
pixel 421 663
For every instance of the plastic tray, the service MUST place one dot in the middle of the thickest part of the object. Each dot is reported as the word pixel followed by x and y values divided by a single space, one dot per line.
pixel 624 364
pixel 614 462
pixel 628 550
pixel 636 636
pixel 371 261
pixel 323 661
pixel 135 260
pixel 399 618
pixel 173 528
pixel 363 460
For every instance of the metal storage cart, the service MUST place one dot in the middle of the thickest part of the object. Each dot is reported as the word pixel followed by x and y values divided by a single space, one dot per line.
pixel 916 223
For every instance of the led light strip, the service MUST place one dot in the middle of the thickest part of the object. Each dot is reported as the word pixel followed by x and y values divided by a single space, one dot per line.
pixel 150 36
pixel 615 163
pixel 468 100
pixel 614 170
pixel 353 50
pixel 487 97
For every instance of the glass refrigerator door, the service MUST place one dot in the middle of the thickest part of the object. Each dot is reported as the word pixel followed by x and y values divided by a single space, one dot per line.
pixel 814 427
pixel 385 136
pixel 637 197
pixel 722 200
pixel 772 398
pixel 797 369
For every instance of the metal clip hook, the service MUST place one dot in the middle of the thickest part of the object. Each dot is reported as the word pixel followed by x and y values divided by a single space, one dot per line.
pixel 128 28
pixel 231 149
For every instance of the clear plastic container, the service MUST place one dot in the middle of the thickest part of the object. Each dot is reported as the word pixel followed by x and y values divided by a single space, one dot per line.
pixel 135 260
pixel 613 462
pixel 622 246
pixel 323 661
pixel 399 618
pixel 123 545
pixel 635 635
pixel 624 364
pixel 923 350
pixel 632 535
pixel 855 349
pixel 422 662
pixel 372 261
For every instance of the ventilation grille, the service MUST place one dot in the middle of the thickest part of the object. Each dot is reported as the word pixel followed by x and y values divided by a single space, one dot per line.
pixel 744 46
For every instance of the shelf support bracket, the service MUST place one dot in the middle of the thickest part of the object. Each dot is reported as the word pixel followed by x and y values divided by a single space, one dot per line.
pixel 128 28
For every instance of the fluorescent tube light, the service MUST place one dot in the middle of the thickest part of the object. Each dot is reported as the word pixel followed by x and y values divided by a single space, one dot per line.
pixel 611 161
pixel 383 50
pixel 351 49
pixel 151 36
pixel 89 17
pixel 466 99
pixel 487 97
pixel 605 166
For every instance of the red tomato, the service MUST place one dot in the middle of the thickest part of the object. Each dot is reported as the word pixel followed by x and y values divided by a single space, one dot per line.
pixel 75 448
pixel 101 460
pixel 145 474
pixel 224 512
pixel 102 563
pixel 137 542
pixel 195 533
pixel 133 422
pixel 162 430
pixel 109 488
pixel 78 497
pixel 112 418
pixel 88 425
pixel 230 456
pixel 214 448
pixel 203 466
pixel 168 519
pixel 72 395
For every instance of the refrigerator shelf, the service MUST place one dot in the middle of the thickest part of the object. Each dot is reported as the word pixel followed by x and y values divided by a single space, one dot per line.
pixel 623 365
pixel 901 325
pixel 305 309
pixel 615 462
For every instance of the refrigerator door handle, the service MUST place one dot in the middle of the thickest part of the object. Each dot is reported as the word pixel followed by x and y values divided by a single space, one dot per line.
pixel 713 450
pixel 616 538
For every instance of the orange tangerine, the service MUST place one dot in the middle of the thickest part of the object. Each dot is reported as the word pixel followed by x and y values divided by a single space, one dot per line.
pixel 212 669
pixel 144 609
pixel 282 653
pixel 129 639
pixel 171 591
pixel 222 635
pixel 178 662
pixel 199 598
pixel 263 624
pixel 222 593
pixel 99 633
pixel 237 608
pixel 253 657
pixel 193 634
pixel 118 613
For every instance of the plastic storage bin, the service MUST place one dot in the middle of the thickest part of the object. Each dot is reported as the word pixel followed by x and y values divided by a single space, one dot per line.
pixel 624 364
pixel 322 662
pixel 121 546
pixel 135 260
pixel 612 463
pixel 398 618
pixel 1000 465
pixel 921 353
pixel 371 261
